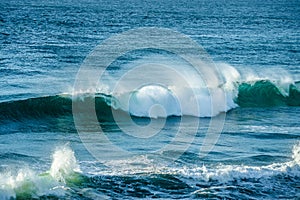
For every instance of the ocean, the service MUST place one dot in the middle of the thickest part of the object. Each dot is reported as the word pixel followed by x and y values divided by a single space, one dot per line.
pixel 193 99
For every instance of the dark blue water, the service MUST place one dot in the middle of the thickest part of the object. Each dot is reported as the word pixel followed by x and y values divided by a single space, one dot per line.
pixel 45 147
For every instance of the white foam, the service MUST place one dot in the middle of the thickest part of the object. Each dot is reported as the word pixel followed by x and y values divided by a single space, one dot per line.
pixel 153 101
pixel 28 182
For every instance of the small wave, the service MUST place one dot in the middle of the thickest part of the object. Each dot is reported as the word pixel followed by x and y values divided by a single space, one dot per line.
pixel 27 184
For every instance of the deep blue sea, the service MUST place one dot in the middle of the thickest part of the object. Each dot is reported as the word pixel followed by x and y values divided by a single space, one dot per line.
pixel 151 125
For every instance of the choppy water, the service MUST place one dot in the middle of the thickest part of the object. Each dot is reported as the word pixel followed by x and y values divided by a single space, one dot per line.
pixel 256 47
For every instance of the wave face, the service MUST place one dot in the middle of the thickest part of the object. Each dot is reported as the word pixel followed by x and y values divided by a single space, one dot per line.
pixel 36 107
pixel 50 106
pixel 262 93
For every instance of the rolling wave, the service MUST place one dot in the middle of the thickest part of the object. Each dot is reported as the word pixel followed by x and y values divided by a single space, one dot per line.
pixel 262 93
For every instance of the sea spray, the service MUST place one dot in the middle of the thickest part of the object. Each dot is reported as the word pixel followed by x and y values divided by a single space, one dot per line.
pixel 64 164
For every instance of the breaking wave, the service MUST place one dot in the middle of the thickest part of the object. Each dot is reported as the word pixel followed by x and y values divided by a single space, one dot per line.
pixel 157 101
pixel 261 93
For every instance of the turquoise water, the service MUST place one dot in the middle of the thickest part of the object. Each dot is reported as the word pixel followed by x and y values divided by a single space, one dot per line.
pixel 46 149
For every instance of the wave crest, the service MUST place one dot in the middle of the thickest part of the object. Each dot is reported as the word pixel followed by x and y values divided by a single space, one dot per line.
pixel 262 93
